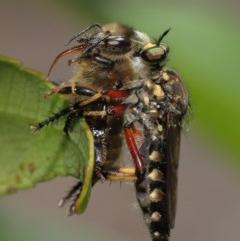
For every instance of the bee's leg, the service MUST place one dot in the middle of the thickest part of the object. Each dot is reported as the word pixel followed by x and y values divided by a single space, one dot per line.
pixel 78 90
pixel 73 193
pixel 98 169
pixel 99 159
pixel 122 174
pixel 76 113
pixel 65 88
pixel 99 135
pixel 107 97
pixel 72 112
pixel 70 88
pixel 54 117
pixel 114 97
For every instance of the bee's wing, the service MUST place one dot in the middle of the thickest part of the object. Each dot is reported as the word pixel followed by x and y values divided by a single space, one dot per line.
pixel 173 150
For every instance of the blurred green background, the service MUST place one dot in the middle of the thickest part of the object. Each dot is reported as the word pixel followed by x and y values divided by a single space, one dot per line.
pixel 204 44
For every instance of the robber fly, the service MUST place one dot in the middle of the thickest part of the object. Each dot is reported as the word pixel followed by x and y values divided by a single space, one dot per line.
pixel 158 102
pixel 102 66
pixel 121 84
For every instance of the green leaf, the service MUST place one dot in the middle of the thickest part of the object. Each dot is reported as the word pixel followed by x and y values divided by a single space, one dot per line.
pixel 28 159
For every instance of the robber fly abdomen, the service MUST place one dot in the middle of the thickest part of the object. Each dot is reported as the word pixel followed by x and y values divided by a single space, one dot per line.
pixel 162 104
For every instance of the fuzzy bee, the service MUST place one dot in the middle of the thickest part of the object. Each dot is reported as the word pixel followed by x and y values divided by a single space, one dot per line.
pixel 102 66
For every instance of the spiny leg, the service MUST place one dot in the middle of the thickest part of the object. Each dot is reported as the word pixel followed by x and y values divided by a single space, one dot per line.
pixel 36 127
pixel 125 174
pixel 74 193
pixel 72 111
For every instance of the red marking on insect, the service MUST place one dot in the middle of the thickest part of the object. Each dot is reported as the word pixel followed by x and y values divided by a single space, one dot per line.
pixel 129 136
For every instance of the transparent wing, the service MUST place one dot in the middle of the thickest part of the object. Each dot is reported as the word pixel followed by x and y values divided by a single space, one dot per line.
pixel 173 151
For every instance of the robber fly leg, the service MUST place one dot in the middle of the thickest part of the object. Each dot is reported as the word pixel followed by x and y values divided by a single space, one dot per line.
pixel 131 143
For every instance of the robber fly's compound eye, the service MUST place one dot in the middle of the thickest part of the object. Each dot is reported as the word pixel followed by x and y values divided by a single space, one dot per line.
pixel 118 42
pixel 153 54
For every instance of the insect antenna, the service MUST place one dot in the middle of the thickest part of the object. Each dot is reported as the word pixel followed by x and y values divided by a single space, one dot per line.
pixel 162 36
pixel 83 31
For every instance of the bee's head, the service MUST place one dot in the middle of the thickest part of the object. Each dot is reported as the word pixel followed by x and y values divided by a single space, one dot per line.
pixel 115 41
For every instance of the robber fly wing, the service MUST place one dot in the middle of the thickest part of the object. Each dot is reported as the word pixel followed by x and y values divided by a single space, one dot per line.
pixel 173 151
